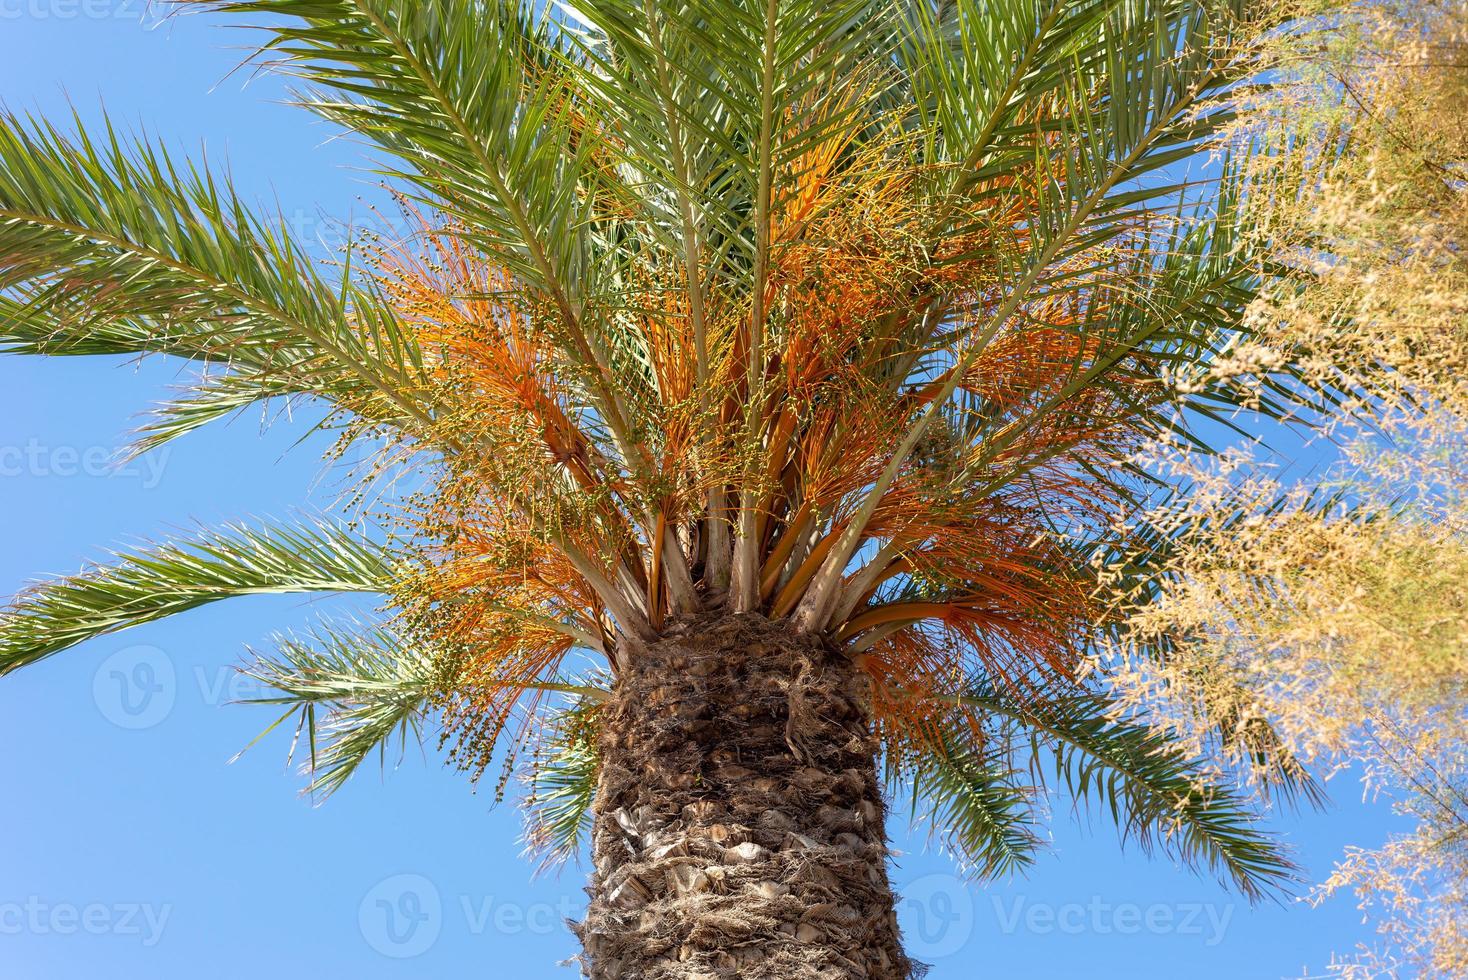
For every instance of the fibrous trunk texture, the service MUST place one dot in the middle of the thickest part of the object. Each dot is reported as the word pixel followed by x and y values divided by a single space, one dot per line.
pixel 739 818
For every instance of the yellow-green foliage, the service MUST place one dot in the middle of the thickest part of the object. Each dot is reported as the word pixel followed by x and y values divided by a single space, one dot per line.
pixel 1347 631
pixel 1359 180
pixel 1338 611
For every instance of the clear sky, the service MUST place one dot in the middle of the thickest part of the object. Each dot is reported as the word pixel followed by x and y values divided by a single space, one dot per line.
pixel 131 849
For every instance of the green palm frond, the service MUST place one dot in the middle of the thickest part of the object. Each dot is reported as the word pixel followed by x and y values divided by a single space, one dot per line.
pixel 1155 793
pixel 220 395
pixel 969 797
pixel 43 327
pixel 110 246
pixel 144 585
pixel 562 783
pixel 466 98
pixel 352 690
pixel 1131 103
pixel 1135 79
pixel 1167 307
pixel 705 68
pixel 473 106
pixel 971 68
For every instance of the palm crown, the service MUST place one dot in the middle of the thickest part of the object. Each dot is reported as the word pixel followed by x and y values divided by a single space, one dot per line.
pixel 849 314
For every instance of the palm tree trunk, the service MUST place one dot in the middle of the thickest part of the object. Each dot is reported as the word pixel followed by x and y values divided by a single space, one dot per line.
pixel 739 818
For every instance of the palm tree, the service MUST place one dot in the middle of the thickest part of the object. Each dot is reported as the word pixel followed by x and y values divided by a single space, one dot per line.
pixel 784 359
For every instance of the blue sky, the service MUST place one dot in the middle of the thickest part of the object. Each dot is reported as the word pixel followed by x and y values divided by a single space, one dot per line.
pixel 132 849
